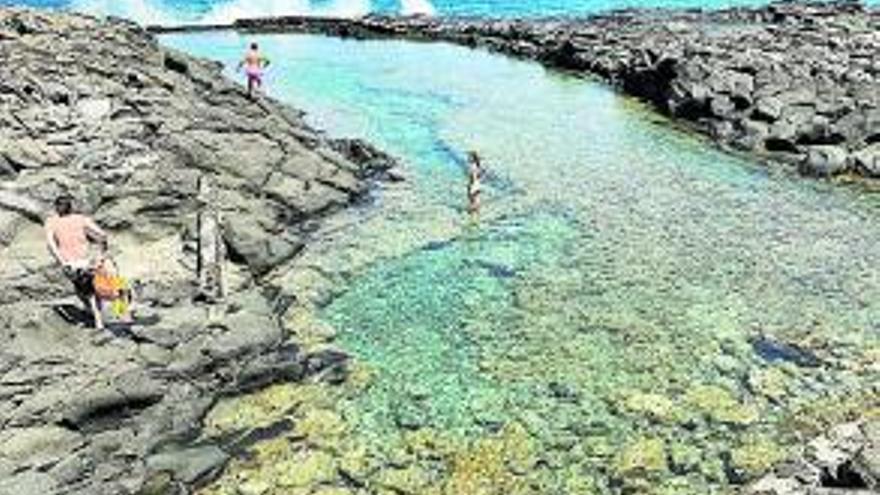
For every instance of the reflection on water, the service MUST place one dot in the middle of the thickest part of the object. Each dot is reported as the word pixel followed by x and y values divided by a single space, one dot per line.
pixel 633 312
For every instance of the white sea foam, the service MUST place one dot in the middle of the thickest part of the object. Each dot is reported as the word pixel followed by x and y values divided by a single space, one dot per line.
pixel 417 7
pixel 149 12
pixel 141 11
pixel 243 9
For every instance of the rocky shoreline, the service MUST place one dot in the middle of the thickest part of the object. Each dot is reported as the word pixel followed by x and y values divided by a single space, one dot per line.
pixel 791 82
pixel 98 109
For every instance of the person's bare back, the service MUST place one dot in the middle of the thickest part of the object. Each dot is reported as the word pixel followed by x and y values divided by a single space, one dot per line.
pixel 252 59
pixel 253 64
pixel 70 234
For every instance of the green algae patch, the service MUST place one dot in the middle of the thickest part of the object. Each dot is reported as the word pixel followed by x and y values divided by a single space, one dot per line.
pixel 815 417
pixel 310 331
pixel 332 490
pixel 321 427
pixel 653 406
pixel 411 480
pixel 264 407
pixel 357 464
pixel 718 404
pixel 641 458
pixel 771 383
pixel 684 458
pixel 490 465
pixel 754 458
pixel 430 444
pixel 306 469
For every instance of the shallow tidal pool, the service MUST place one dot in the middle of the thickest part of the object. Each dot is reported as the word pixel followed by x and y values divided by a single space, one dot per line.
pixel 632 312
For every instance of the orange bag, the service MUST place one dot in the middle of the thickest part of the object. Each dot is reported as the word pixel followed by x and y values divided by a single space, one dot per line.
pixel 108 286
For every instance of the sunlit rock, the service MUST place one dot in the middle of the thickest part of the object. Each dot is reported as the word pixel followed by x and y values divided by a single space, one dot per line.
pixel 653 406
pixel 304 469
pixel 772 383
pixel 719 405
pixel 642 458
pixel 754 458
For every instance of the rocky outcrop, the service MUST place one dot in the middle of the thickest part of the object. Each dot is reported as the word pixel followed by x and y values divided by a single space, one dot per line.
pixel 795 82
pixel 97 109
pixel 844 460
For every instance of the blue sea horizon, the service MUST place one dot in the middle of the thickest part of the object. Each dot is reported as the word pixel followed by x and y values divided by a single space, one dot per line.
pixel 214 11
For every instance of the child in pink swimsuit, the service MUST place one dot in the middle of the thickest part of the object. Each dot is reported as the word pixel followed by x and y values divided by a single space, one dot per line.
pixel 253 64
pixel 254 76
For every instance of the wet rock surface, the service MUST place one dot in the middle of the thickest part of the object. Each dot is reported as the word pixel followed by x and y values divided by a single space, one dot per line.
pixel 793 82
pixel 97 109
pixel 842 460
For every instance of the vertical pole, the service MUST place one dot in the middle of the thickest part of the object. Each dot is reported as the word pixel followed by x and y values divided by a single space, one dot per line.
pixel 210 251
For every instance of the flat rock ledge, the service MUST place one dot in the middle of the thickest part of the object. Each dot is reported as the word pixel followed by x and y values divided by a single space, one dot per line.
pixel 96 108
pixel 794 82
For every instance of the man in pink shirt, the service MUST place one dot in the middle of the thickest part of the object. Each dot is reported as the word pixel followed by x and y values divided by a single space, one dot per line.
pixel 69 236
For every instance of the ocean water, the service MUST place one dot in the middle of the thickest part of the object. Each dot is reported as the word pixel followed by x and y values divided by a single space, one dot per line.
pixel 633 310
pixel 218 11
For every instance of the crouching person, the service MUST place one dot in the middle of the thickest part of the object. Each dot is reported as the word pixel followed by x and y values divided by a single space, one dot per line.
pixel 112 289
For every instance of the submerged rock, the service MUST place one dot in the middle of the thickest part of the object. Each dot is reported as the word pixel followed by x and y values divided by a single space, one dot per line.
pixel 771 383
pixel 642 458
pixel 684 458
pixel 719 405
pixel 753 459
pixel 653 406
pixel 773 350
pixel 305 470
pixel 824 161
pixel 410 480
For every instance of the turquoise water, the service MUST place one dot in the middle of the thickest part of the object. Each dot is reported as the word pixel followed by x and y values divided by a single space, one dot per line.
pixel 624 282
pixel 177 11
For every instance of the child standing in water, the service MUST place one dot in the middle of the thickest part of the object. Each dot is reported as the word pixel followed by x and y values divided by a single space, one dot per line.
pixel 475 171
pixel 253 64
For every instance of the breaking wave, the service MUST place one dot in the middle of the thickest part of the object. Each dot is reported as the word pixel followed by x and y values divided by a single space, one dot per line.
pixel 142 11
pixel 242 9
pixel 157 12
pixel 417 7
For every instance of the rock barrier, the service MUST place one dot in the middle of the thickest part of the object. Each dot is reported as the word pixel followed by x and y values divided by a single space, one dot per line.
pixel 794 82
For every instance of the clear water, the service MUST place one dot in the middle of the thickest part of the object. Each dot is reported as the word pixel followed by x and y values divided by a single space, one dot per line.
pixel 179 11
pixel 612 289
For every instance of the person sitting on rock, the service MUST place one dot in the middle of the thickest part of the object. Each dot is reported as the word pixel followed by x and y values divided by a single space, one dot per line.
pixel 69 236
pixel 111 288
pixel 253 64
